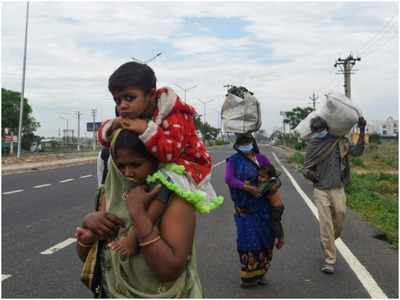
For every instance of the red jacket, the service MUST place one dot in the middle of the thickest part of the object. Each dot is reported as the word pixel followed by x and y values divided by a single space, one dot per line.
pixel 171 136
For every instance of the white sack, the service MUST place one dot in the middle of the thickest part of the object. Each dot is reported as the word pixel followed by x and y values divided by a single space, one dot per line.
pixel 340 113
pixel 241 115
pixel 303 128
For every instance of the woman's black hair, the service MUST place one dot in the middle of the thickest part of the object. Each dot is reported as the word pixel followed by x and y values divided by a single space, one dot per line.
pixel 132 74
pixel 131 141
pixel 243 139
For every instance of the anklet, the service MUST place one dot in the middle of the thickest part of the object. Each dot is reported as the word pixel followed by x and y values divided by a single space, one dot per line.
pixel 157 238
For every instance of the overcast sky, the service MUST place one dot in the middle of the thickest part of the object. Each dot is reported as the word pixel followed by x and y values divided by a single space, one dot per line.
pixel 282 51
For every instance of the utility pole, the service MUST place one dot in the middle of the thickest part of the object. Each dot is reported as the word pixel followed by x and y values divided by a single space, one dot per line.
pixel 79 131
pixel 21 105
pixel 204 108
pixel 313 99
pixel 283 114
pixel 94 128
pixel 346 66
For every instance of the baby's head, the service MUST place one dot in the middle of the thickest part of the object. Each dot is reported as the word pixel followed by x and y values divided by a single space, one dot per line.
pixel 263 174
pixel 132 158
pixel 266 172
pixel 133 86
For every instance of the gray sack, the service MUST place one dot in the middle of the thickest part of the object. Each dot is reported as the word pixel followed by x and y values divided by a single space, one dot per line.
pixel 241 111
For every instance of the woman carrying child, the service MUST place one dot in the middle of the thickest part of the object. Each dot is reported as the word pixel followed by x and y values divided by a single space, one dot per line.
pixel 165 264
pixel 257 215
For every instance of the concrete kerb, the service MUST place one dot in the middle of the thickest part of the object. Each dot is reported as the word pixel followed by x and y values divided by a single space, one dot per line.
pixel 45 165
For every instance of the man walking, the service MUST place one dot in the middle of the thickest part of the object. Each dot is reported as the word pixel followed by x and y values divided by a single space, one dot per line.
pixel 327 165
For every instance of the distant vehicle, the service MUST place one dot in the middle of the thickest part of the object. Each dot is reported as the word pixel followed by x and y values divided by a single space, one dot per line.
pixel 45 145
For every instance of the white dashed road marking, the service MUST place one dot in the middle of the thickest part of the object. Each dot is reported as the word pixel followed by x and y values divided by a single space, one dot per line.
pixel 86 176
pixel 361 272
pixel 12 192
pixel 5 276
pixel 42 186
pixel 58 246
pixel 219 163
pixel 66 180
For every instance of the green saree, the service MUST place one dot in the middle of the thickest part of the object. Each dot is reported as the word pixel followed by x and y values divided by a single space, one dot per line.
pixel 130 277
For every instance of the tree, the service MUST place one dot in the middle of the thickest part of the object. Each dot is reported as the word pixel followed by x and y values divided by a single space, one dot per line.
pixel 10 117
pixel 296 115
pixel 261 136
pixel 208 132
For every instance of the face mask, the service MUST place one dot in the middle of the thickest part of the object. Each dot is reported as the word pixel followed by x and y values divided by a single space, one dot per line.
pixel 245 148
pixel 320 135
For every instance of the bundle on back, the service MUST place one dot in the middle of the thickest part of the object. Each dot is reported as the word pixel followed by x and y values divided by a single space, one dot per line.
pixel 339 112
pixel 241 111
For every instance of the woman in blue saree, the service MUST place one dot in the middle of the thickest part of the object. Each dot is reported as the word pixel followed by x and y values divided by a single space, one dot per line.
pixel 255 237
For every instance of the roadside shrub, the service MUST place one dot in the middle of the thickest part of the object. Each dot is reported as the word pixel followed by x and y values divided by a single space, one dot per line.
pixel 297 158
pixel 357 161
pixel 220 142
pixel 300 145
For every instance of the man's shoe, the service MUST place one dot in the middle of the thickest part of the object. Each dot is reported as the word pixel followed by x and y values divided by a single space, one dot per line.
pixel 328 268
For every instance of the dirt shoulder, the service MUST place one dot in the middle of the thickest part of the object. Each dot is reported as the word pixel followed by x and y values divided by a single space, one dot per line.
pixel 30 163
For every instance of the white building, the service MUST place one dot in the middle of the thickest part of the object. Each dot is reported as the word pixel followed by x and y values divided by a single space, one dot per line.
pixel 389 127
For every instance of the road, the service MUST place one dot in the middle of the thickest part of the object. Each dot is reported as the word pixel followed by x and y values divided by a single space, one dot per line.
pixel 41 209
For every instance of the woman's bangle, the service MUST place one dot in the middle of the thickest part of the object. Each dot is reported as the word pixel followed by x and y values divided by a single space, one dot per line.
pixel 143 237
pixel 84 245
pixel 152 241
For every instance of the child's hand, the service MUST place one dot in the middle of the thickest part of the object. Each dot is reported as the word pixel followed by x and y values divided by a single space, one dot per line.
pixel 116 123
pixel 136 125
pixel 253 190
pixel 279 244
pixel 137 199
pixel 85 236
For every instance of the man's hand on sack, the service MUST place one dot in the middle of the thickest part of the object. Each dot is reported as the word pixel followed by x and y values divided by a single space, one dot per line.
pixel 362 123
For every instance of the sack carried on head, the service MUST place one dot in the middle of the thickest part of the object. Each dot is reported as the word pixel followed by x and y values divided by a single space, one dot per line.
pixel 339 112
pixel 241 111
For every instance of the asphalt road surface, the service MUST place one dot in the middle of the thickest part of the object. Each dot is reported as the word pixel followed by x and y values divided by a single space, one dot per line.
pixel 41 209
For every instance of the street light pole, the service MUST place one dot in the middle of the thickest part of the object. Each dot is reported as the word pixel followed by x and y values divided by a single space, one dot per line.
pixel 185 89
pixel 147 61
pixel 21 105
pixel 204 107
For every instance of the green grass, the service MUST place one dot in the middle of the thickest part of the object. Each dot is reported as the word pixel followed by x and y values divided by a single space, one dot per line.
pixel 297 158
pixel 375 197
pixel 357 161
pixel 382 156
